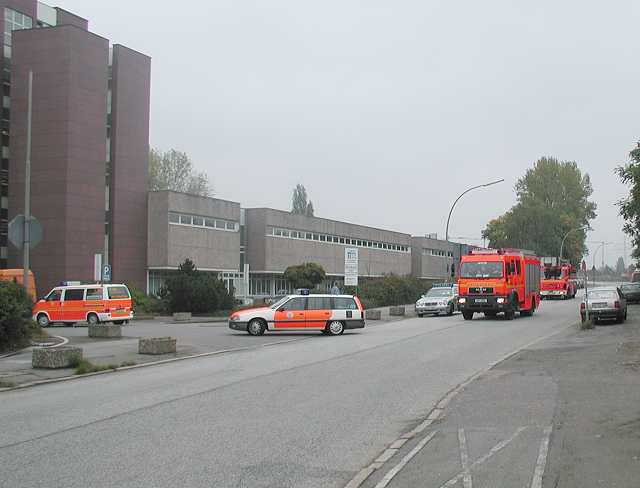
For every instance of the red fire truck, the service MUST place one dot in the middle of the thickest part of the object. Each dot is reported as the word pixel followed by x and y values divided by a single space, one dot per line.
pixel 558 280
pixel 496 281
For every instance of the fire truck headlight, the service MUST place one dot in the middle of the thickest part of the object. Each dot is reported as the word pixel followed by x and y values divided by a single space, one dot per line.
pixel 500 300
pixel 462 300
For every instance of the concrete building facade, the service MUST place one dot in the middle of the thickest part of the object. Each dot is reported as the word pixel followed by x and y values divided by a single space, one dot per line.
pixel 205 230
pixel 90 142
pixel 432 258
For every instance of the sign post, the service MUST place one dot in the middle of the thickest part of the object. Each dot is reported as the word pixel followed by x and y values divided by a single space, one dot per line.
pixel 586 291
pixel 26 242
pixel 351 266
pixel 97 267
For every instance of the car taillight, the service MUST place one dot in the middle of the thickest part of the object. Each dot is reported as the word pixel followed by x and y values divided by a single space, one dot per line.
pixel 616 304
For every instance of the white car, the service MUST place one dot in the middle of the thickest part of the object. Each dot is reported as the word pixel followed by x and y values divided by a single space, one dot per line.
pixel 441 299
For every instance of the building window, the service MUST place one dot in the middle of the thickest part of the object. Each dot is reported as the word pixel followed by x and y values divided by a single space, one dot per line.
pixel 14 20
pixel 174 218
pixel 186 219
pixel 202 222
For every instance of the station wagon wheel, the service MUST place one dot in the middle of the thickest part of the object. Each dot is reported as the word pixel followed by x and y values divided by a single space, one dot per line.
pixel 335 327
pixel 43 320
pixel 256 327
pixel 92 319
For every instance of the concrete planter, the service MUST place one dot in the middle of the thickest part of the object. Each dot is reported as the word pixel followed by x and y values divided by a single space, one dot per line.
pixel 396 311
pixel 104 331
pixel 55 358
pixel 157 345
pixel 373 314
pixel 182 317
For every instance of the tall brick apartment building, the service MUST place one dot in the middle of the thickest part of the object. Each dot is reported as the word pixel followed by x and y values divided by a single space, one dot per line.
pixel 89 150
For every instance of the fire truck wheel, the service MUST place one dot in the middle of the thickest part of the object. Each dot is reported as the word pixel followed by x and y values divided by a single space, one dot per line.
pixel 509 314
pixel 467 315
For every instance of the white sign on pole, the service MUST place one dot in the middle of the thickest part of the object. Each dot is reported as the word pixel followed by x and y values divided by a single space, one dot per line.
pixel 351 266
pixel 97 267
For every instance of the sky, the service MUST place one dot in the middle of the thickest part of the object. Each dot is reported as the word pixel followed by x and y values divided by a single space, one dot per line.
pixel 386 111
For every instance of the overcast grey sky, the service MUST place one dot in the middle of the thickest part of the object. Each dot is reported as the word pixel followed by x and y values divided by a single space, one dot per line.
pixel 384 110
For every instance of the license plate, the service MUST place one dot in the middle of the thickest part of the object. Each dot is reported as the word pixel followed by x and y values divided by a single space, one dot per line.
pixel 599 305
pixel 481 300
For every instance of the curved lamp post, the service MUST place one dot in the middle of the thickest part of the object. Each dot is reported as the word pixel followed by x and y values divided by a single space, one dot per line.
pixel 460 196
pixel 567 235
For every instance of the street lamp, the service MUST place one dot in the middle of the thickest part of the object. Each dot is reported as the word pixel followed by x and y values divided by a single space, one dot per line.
pixel 567 235
pixel 595 253
pixel 460 196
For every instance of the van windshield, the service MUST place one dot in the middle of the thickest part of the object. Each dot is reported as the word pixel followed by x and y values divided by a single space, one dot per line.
pixel 481 269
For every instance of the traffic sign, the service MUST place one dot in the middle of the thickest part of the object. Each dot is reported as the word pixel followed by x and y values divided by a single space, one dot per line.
pixel 106 273
pixel 16 231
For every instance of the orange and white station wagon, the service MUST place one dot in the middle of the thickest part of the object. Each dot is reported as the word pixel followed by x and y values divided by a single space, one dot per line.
pixel 90 303
pixel 329 314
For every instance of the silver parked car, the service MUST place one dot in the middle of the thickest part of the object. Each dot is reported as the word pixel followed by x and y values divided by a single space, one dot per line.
pixel 441 298
pixel 604 303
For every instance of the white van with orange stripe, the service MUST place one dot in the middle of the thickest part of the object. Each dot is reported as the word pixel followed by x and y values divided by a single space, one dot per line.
pixel 329 314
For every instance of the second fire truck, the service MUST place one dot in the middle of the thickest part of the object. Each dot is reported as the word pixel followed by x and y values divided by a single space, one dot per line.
pixel 558 280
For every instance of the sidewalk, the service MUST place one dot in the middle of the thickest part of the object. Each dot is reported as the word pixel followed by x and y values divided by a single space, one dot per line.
pixel 564 413
pixel 193 338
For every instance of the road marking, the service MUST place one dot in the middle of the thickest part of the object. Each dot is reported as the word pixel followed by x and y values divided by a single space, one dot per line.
pixel 494 450
pixel 464 460
pixel 64 341
pixel 398 467
pixel 541 464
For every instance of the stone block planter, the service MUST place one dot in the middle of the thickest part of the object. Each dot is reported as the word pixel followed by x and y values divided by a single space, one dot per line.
pixel 157 345
pixel 396 311
pixel 55 357
pixel 105 331
pixel 182 317
pixel 373 314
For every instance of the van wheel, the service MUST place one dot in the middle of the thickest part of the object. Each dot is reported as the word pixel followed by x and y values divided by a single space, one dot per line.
pixel 335 327
pixel 43 320
pixel 256 327
pixel 92 319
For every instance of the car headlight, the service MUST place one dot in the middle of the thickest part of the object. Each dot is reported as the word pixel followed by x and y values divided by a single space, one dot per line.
pixel 500 300
pixel 462 300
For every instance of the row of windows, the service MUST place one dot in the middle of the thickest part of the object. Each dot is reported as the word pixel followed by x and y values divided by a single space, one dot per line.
pixel 320 303
pixel 436 252
pixel 14 21
pixel 331 239
pixel 206 222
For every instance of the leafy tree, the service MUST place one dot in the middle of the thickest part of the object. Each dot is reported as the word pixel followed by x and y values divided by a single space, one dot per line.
pixel 620 266
pixel 173 170
pixel 300 205
pixel 190 290
pixel 630 206
pixel 553 198
pixel 306 275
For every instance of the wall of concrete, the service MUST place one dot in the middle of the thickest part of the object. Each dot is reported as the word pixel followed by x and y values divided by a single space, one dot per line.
pixel 209 249
pixel 129 164
pixel 434 267
pixel 69 147
pixel 274 254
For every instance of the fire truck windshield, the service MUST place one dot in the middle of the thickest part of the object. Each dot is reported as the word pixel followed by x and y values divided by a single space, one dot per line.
pixel 553 273
pixel 481 269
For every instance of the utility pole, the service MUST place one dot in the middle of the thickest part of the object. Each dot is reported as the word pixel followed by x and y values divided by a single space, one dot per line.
pixel 27 190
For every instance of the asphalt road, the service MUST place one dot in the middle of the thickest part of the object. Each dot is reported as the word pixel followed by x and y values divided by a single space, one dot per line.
pixel 309 413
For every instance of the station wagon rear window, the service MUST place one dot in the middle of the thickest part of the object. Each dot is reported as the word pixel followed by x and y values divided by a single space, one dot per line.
pixel 344 304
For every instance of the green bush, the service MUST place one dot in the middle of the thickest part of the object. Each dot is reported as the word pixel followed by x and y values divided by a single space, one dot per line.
pixel 16 326
pixel 390 290
pixel 145 304
pixel 190 290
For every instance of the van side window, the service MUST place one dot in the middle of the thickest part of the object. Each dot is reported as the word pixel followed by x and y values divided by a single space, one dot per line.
pixel 94 293
pixel 344 304
pixel 118 292
pixel 73 295
pixel 319 303
pixel 54 296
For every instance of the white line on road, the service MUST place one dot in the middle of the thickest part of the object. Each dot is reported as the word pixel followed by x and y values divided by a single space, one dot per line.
pixel 398 467
pixel 464 460
pixel 536 482
pixel 494 450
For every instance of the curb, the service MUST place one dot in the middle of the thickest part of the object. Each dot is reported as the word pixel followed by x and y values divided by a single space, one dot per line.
pixel 142 365
pixel 435 413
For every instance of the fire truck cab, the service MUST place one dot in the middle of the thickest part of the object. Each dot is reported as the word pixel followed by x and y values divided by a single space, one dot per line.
pixel 494 281
pixel 558 280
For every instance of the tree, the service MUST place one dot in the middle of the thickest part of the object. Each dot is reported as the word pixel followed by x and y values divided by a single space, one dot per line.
pixel 552 199
pixel 620 266
pixel 299 203
pixel 306 275
pixel 173 170
pixel 630 206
